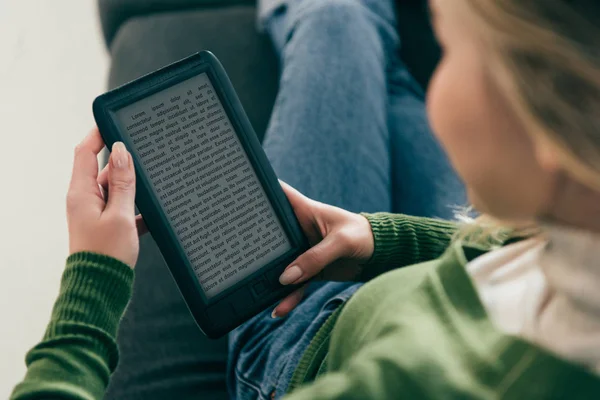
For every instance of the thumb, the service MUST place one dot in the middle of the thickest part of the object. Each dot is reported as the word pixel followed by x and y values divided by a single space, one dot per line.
pixel 314 260
pixel 121 182
pixel 296 199
pixel 305 211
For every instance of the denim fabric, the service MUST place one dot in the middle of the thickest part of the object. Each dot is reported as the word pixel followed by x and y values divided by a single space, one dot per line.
pixel 348 128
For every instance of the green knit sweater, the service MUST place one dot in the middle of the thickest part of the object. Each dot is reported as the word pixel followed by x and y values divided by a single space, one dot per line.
pixel 415 332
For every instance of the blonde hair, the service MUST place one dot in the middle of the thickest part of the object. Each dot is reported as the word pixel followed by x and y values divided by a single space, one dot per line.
pixel 545 55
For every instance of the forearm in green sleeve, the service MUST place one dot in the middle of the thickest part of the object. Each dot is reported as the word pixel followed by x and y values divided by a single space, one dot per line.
pixel 402 240
pixel 78 351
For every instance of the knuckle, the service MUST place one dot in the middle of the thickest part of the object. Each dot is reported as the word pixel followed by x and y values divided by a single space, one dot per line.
pixel 315 257
pixel 78 150
pixel 122 184
pixel 72 200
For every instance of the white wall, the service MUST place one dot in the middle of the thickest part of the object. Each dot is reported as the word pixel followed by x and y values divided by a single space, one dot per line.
pixel 52 64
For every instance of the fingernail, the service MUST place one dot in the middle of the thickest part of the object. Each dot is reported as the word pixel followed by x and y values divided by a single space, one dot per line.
pixel 274 314
pixel 119 155
pixel 290 275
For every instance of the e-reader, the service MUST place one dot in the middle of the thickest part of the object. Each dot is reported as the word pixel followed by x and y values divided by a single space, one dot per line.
pixel 205 189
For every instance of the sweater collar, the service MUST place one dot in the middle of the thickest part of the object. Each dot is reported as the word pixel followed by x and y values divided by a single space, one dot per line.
pixel 535 364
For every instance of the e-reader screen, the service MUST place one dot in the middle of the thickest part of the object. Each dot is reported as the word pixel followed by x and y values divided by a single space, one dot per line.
pixel 204 181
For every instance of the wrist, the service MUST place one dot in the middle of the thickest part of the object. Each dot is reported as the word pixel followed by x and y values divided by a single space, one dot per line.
pixel 367 243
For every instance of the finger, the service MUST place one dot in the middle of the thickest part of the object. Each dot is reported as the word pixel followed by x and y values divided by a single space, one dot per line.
pixel 103 182
pixel 297 199
pixel 141 225
pixel 305 211
pixel 314 260
pixel 85 164
pixel 289 303
pixel 121 182
pixel 103 178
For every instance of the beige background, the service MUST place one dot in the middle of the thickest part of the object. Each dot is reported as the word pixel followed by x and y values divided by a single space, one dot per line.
pixel 52 64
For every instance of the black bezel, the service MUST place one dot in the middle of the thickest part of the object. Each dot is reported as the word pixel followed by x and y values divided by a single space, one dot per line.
pixel 204 62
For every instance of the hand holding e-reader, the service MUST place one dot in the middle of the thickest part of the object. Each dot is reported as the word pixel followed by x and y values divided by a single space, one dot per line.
pixel 205 189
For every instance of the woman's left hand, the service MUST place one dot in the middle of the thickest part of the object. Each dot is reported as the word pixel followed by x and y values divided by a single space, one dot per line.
pixel 342 242
pixel 96 223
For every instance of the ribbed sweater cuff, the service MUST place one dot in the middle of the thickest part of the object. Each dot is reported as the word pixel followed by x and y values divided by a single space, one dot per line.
pixel 386 238
pixel 94 292
pixel 402 240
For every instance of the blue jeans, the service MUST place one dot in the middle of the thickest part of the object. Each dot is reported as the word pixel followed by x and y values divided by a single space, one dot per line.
pixel 349 128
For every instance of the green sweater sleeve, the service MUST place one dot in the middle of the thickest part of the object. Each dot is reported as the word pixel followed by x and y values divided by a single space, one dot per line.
pixel 78 351
pixel 402 240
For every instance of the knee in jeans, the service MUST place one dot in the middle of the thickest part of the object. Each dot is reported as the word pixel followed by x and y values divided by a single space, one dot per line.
pixel 335 14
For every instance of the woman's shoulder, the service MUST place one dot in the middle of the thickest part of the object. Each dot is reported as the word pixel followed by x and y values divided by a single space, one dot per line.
pixel 425 328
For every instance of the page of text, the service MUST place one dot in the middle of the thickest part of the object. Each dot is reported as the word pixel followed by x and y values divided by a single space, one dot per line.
pixel 204 182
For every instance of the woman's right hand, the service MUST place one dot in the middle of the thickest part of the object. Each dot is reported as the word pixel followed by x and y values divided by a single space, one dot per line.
pixel 342 242
pixel 101 223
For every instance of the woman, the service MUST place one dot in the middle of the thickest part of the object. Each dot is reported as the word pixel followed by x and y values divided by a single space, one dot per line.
pixel 349 129
pixel 515 104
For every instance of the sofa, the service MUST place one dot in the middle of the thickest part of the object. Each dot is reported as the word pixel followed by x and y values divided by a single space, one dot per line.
pixel 163 355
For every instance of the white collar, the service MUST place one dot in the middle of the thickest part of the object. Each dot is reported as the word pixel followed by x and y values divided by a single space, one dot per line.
pixel 571 264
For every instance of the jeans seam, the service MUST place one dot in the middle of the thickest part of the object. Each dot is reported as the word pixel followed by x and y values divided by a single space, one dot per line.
pixel 245 381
